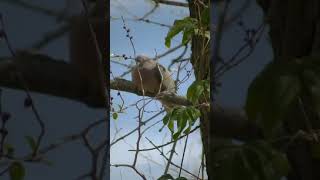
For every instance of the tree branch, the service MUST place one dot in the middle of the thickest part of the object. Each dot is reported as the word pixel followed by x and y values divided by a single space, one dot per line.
pixel 46 75
pixel 233 123
pixel 172 3
pixel 128 86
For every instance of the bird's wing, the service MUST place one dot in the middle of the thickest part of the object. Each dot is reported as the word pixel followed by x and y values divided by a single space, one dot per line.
pixel 163 75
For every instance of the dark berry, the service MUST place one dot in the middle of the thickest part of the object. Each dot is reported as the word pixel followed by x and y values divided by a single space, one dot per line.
pixel 3 131
pixel 5 116
pixel 27 102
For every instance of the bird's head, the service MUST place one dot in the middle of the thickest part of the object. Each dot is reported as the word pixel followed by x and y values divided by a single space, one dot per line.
pixel 141 59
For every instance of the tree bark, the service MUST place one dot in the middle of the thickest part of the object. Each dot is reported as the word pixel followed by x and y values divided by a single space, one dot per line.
pixel 200 59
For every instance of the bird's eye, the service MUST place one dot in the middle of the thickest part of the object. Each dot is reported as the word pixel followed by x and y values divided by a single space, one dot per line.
pixel 138 60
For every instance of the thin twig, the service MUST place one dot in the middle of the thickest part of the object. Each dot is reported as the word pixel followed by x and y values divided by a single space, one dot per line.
pixel 184 150
pixel 172 3
pixel 168 143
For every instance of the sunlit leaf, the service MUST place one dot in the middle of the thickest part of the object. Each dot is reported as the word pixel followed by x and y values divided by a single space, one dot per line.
pixel 186 25
pixel 195 90
pixel 115 116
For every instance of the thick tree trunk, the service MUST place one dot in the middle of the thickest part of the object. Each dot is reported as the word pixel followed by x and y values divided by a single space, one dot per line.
pixel 200 60
pixel 295 32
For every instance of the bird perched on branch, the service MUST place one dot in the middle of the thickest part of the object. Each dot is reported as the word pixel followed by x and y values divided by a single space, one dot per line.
pixel 150 76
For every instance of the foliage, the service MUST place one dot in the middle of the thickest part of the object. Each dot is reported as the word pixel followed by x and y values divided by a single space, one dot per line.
pixel 115 116
pixel 179 117
pixel 278 87
pixel 198 89
pixel 189 27
pixel 186 25
pixel 16 171
pixel 249 161
pixel 168 176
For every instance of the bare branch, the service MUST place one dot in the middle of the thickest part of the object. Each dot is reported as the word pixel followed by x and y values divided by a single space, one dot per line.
pixel 128 86
pixel 172 3
pixel 46 75
pixel 32 7
pixel 40 72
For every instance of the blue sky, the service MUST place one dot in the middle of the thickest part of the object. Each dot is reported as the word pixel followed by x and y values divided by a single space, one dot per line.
pixel 64 116
pixel 149 40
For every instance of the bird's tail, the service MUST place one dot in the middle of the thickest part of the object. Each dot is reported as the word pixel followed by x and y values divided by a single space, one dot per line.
pixel 168 106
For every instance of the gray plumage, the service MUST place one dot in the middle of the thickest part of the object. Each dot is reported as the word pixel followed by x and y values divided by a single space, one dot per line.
pixel 152 73
pixel 155 78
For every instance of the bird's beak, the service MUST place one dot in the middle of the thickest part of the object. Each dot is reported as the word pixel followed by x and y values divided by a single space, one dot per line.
pixel 137 60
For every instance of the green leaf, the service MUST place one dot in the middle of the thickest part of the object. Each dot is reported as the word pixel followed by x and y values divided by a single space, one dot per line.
pixel 275 91
pixel 287 89
pixel 16 171
pixel 228 159
pixel 312 81
pixel 174 30
pixel 205 17
pixel 276 161
pixel 186 25
pixel 186 131
pixel 115 116
pixel 171 126
pixel 176 135
pixel 165 177
pixel 31 142
pixel 183 117
pixel 240 166
pixel 181 178
pixel 285 92
pixel 206 85
pixel 193 113
pixel 248 161
pixel 166 118
pixel 187 36
pixel 271 95
pixel 280 164
pixel 256 162
pixel 182 122
pixel 195 90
